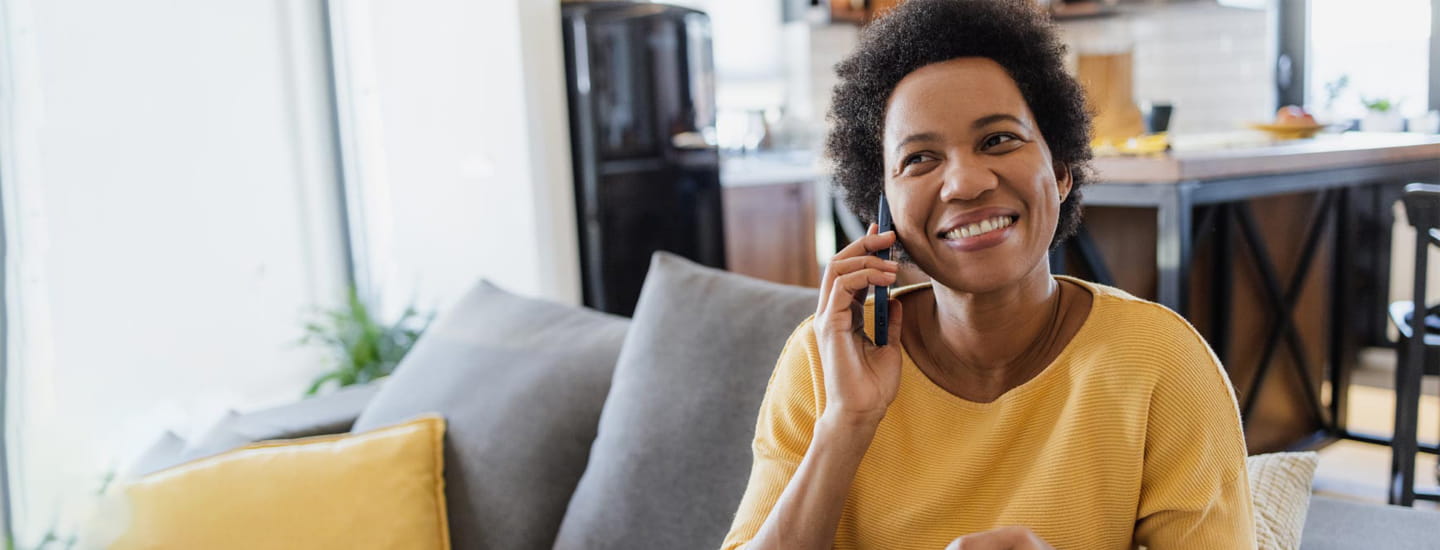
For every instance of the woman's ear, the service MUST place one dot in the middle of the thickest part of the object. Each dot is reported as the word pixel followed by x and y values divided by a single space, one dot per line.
pixel 1063 180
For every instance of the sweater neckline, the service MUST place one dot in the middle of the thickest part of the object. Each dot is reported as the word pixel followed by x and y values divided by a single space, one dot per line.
pixel 1052 370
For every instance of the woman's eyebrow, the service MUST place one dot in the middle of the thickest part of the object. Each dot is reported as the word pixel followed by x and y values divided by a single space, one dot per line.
pixel 997 117
pixel 922 136
pixel 978 124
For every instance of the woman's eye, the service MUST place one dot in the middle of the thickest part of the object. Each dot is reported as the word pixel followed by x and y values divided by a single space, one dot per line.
pixel 998 139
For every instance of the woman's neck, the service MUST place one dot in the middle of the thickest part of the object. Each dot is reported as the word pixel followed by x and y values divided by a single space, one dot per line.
pixel 990 342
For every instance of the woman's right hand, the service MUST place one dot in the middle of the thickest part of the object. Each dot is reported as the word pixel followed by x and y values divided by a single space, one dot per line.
pixel 861 379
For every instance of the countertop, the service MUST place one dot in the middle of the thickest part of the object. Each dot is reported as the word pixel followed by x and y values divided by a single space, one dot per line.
pixel 1192 160
pixel 1322 152
pixel 770 168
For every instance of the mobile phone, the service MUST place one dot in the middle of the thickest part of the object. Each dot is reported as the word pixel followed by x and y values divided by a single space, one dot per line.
pixel 882 293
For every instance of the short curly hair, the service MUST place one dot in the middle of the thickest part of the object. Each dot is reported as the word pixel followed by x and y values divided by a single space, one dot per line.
pixel 1013 33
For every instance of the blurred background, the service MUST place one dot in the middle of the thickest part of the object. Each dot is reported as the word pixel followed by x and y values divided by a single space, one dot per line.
pixel 209 206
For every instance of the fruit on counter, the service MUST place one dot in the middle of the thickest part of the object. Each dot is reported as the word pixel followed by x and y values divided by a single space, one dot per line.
pixel 1293 115
pixel 1149 144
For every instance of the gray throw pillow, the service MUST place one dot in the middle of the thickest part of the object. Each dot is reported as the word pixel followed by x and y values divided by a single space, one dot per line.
pixel 672 456
pixel 161 454
pixel 216 439
pixel 330 413
pixel 520 383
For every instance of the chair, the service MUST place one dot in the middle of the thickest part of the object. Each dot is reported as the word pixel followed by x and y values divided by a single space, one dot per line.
pixel 1415 357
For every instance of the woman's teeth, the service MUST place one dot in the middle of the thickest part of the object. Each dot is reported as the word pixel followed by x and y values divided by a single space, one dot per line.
pixel 979 228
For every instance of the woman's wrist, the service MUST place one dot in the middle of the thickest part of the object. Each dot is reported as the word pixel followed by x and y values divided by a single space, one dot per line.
pixel 846 429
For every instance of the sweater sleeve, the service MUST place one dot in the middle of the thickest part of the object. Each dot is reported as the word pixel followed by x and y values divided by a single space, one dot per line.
pixel 1194 488
pixel 783 431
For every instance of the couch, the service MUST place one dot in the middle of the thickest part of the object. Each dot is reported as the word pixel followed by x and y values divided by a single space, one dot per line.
pixel 570 428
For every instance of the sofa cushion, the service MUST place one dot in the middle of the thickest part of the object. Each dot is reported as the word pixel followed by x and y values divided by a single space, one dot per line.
pixel 326 414
pixel 672 456
pixel 521 383
pixel 1334 524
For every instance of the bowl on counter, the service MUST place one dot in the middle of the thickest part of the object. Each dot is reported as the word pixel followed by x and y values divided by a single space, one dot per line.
pixel 1289 131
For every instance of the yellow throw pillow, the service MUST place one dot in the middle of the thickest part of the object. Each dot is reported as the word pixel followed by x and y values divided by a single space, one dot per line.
pixel 1280 492
pixel 379 489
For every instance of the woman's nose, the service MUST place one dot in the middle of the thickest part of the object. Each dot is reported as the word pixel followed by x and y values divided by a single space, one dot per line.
pixel 965 181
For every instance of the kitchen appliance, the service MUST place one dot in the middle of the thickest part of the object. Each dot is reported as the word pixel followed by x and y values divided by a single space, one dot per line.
pixel 641 86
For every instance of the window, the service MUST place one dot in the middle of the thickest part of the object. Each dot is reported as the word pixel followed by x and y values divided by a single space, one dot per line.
pixel 171 215
pixel 1371 51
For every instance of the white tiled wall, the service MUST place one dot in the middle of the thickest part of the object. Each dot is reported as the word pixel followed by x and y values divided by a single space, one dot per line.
pixel 1214 64
pixel 828 45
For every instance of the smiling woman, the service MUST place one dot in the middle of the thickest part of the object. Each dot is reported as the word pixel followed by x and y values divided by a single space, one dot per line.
pixel 1018 410
pixel 939 152
pixel 1017 39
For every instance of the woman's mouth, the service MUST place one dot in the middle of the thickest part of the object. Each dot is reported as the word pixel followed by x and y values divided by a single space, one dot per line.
pixel 979 228
pixel 979 235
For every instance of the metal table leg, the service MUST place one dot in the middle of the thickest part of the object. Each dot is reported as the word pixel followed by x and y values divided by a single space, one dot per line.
pixel 1172 246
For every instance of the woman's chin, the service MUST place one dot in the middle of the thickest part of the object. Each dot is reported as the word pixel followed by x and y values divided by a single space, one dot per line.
pixel 977 279
pixel 977 273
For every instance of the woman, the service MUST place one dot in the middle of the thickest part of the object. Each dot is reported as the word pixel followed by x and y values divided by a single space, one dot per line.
pixel 1013 409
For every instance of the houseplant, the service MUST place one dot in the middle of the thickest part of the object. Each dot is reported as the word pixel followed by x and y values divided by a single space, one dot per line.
pixel 362 347
pixel 1381 115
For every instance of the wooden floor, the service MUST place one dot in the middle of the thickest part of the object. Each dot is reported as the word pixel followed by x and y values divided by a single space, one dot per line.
pixel 1360 471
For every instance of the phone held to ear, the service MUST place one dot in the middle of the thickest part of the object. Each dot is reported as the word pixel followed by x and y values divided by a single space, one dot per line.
pixel 882 293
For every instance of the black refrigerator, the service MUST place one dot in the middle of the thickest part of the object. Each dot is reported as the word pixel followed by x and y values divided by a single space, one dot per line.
pixel 641 85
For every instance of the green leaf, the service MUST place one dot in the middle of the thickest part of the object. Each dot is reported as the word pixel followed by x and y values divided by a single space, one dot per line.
pixel 360 346
pixel 315 386
pixel 1379 105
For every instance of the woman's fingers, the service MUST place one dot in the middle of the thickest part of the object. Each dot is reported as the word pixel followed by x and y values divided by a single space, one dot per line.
pixel 831 272
pixel 872 242
pixel 848 289
pixel 850 265
pixel 860 248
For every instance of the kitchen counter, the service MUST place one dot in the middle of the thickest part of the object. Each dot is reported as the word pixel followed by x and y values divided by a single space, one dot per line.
pixel 1325 151
pixel 770 168
pixel 1277 252
pixel 1195 158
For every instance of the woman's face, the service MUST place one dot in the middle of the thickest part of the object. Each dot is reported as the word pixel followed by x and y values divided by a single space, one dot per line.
pixel 972 188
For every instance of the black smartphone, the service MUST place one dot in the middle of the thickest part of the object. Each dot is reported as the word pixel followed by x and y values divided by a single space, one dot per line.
pixel 882 293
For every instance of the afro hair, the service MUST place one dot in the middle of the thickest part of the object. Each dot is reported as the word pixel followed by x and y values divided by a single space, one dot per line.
pixel 1013 33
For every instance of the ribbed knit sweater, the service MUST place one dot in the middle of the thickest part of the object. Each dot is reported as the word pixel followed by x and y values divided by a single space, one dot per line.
pixel 1131 436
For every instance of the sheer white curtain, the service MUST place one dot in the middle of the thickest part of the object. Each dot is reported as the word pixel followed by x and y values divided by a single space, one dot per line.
pixel 172 211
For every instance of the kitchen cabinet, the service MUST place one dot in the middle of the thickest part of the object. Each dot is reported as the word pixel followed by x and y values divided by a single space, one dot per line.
pixel 849 11
pixel 879 7
pixel 770 231
pixel 859 11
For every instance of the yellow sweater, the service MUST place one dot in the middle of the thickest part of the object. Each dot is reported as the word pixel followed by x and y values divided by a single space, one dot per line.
pixel 1130 437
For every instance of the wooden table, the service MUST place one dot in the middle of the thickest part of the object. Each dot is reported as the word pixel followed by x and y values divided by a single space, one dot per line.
pixel 1193 197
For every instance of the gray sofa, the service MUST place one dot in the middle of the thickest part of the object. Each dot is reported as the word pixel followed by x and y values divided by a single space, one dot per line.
pixel 574 429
